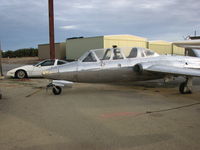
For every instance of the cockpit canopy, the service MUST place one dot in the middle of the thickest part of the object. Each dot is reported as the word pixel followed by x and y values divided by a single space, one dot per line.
pixel 116 54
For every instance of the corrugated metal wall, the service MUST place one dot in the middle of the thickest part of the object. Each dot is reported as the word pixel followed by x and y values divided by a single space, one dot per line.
pixel 60 48
pixel 74 48
pixel 161 47
pixel 164 47
pixel 125 41
pixel 178 50
pixel 77 47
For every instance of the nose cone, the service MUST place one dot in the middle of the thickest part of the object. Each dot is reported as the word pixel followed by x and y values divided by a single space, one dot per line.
pixel 51 73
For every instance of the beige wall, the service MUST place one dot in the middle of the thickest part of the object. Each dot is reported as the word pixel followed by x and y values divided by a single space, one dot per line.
pixel 44 51
pixel 161 47
pixel 164 47
pixel 62 51
pixel 125 41
pixel 178 50
pixel 74 48
pixel 77 47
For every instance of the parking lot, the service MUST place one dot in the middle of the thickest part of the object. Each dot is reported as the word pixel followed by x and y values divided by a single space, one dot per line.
pixel 98 116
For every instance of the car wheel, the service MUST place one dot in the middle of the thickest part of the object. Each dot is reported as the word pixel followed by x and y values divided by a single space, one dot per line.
pixel 20 74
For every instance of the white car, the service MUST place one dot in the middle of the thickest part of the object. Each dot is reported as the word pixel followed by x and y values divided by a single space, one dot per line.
pixel 34 70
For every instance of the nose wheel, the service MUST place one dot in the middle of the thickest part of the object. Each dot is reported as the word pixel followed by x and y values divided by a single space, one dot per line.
pixel 186 87
pixel 57 90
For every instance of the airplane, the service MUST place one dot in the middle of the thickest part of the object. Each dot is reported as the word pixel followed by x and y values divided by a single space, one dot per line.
pixel 115 64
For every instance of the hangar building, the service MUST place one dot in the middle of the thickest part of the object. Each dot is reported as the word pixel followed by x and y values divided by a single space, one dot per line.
pixel 44 51
pixel 164 47
pixel 73 48
pixel 76 47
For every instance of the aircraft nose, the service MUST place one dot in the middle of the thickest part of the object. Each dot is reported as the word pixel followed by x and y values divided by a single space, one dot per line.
pixel 50 73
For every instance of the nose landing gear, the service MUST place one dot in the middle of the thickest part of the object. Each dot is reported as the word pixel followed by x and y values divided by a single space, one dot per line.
pixel 186 87
pixel 57 84
pixel 57 90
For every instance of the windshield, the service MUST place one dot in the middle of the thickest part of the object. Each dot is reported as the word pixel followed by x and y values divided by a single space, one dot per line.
pixel 99 53
pixel 141 52
pixel 90 58
pixel 48 62
pixel 38 63
pixel 109 53
pixel 116 54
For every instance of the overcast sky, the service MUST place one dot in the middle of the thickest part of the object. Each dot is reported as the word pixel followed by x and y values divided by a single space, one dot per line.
pixel 24 23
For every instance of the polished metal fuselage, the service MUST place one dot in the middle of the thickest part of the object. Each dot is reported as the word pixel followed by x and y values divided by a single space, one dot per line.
pixel 121 70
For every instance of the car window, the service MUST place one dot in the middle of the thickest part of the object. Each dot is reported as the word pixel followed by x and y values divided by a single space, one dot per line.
pixel 48 63
pixel 60 62
pixel 90 58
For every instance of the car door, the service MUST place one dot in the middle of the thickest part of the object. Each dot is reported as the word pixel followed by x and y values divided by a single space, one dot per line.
pixel 38 69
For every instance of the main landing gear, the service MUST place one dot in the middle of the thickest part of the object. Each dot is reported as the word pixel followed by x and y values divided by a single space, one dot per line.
pixel 186 87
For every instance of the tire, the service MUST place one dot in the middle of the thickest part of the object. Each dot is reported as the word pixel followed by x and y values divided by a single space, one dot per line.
pixel 182 88
pixel 21 74
pixel 57 90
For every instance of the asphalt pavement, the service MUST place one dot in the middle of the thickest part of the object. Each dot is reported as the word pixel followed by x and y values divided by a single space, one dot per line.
pixel 7 67
pixel 143 116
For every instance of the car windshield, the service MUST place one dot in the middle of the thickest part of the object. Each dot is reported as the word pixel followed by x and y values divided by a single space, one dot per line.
pixel 45 63
pixel 38 63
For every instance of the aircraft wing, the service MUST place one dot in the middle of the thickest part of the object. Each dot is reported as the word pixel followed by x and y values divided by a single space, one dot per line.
pixel 173 70
pixel 195 44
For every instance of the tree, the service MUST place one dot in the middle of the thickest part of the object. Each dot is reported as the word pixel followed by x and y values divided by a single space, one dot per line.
pixel 26 52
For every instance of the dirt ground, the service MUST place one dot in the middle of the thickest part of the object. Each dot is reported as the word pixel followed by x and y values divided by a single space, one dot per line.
pixel 98 117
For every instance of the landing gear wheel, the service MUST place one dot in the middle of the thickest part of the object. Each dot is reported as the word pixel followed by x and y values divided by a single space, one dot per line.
pixel 184 89
pixel 57 90
pixel 20 74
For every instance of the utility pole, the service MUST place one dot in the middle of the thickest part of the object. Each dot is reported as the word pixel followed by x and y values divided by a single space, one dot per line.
pixel 1 71
pixel 51 29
